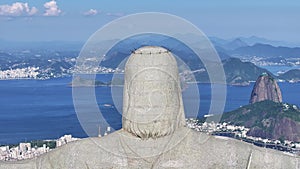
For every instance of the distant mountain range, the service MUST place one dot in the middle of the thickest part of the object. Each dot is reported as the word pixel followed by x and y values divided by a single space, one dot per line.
pixel 236 72
pixel 242 73
pixel 252 40
pixel 259 51
pixel 239 73
pixel 57 58
pixel 241 49
pixel 265 50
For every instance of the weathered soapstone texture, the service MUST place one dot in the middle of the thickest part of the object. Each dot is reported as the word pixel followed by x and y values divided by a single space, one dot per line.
pixel 153 133
pixel 152 104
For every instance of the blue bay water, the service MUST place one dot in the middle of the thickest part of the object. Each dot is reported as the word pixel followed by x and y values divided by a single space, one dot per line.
pixel 43 109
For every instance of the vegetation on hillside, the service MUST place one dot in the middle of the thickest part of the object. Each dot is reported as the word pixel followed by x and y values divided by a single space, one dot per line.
pixel 267 119
pixel 293 74
pixel 257 112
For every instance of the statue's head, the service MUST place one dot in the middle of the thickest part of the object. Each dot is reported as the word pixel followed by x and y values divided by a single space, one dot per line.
pixel 152 101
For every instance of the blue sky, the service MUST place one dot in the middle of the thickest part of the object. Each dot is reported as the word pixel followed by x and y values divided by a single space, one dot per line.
pixel 76 20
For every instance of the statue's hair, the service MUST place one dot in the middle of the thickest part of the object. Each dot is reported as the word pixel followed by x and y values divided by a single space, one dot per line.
pixel 161 66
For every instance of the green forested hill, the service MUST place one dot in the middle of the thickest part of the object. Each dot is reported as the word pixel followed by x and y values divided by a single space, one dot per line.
pixel 268 119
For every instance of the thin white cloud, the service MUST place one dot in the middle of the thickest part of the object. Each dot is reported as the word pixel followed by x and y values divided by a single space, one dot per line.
pixel 52 9
pixel 17 9
pixel 91 12
pixel 115 14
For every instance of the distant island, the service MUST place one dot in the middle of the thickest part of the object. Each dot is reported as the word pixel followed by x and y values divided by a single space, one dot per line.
pixel 81 82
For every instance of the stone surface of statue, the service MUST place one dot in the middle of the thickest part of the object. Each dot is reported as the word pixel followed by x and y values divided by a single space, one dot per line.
pixel 152 95
pixel 153 133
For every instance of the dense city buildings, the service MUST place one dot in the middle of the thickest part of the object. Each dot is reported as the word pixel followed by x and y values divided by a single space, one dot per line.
pixel 26 150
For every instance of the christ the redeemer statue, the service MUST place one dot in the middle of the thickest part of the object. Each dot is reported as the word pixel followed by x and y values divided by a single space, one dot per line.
pixel 153 133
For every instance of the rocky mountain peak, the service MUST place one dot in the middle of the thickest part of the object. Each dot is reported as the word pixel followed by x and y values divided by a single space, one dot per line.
pixel 265 88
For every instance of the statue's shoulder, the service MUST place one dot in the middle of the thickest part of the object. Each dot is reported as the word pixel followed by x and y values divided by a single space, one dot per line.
pixel 83 153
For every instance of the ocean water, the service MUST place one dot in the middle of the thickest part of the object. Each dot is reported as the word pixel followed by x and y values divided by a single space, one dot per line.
pixel 43 109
